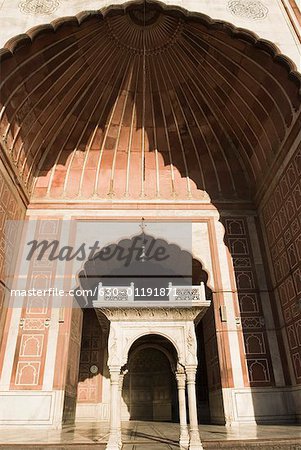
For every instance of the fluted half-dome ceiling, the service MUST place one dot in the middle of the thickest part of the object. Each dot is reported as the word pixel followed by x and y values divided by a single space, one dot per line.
pixel 144 102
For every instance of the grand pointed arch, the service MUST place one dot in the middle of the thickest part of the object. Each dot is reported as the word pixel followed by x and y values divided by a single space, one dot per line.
pixel 150 110
pixel 118 104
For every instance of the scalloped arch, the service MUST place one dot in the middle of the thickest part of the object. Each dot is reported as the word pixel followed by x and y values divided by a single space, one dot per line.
pixel 156 330
pixel 179 260
pixel 28 38
pixel 77 123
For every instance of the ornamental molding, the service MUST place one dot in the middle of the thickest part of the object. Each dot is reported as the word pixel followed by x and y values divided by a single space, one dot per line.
pixel 248 9
pixel 124 334
pixel 156 313
pixel 39 7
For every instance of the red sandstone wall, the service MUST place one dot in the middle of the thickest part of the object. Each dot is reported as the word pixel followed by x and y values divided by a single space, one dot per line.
pixel 73 365
pixel 238 241
pixel 92 353
pixel 211 349
pixel 31 347
pixel 11 208
pixel 281 219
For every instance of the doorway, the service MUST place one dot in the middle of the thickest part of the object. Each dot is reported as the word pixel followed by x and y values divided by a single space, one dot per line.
pixel 149 387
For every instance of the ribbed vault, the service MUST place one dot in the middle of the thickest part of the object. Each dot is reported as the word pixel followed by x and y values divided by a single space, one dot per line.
pixel 144 102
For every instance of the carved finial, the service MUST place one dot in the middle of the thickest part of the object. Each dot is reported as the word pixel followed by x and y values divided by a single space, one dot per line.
pixel 142 225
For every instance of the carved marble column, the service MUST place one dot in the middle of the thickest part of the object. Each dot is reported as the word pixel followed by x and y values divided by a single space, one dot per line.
pixel 195 441
pixel 118 409
pixel 181 382
pixel 115 416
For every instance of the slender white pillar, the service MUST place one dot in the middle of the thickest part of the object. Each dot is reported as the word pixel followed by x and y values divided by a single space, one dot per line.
pixel 115 416
pixel 195 441
pixel 181 382
pixel 118 408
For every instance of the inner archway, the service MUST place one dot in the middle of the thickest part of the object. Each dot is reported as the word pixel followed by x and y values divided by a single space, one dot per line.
pixel 149 388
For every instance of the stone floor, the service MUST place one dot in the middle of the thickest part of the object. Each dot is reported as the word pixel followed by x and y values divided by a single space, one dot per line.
pixel 152 435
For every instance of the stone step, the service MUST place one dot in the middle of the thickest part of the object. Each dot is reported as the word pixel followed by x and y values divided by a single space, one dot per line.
pixel 254 444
